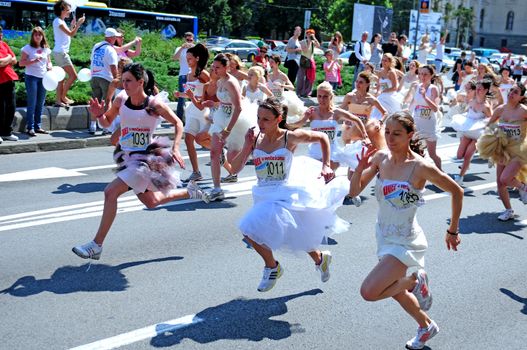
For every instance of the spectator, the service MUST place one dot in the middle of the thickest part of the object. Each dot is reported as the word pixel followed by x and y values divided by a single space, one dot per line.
pixel 424 50
pixel 332 68
pixel 376 51
pixel 508 62
pixel 517 70
pixel 458 67
pixel 104 62
pixel 474 60
pixel 62 34
pixel 307 71
pixel 404 50
pixel 262 59
pixel 440 52
pixel 36 58
pixel 392 46
pixel 124 50
pixel 336 44
pixel 292 61
pixel 363 53
pixel 181 56
pixel 7 90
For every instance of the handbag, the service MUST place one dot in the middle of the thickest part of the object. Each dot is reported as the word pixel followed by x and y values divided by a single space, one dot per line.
pixel 305 62
pixel 353 60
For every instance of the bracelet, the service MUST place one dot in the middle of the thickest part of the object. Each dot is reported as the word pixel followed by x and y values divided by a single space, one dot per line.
pixel 452 233
pixel 227 131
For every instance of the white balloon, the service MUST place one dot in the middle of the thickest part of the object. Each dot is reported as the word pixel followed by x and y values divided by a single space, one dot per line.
pixel 84 75
pixel 50 80
pixel 59 72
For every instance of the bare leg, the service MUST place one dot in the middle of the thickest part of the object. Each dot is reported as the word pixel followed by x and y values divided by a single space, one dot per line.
pixel 316 255
pixel 388 279
pixel 467 157
pixel 72 76
pixel 215 156
pixel 463 143
pixel 191 150
pixel 265 253
pixel 113 191
pixel 431 147
pixel 153 199
pixel 203 139
pixel 60 88
pixel 502 187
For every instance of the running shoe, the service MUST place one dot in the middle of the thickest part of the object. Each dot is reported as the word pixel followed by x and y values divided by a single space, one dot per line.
pixel 423 335
pixel 194 191
pixel 90 250
pixel 523 195
pixel 195 176
pixel 324 266
pixel 230 178
pixel 422 291
pixel 213 195
pixel 10 138
pixel 507 215
pixel 269 277
pixel 357 201
pixel 458 179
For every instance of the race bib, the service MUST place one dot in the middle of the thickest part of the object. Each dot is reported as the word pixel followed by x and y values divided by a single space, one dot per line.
pixel 227 109
pixel 384 86
pixel 400 195
pixel 330 131
pixel 190 87
pixel 270 168
pixel 135 138
pixel 423 112
pixel 278 93
pixel 512 131
pixel 363 117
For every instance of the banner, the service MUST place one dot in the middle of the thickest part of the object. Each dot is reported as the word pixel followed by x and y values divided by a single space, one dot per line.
pixel 372 19
pixel 428 23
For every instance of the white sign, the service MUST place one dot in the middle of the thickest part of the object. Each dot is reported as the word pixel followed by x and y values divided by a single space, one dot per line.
pixel 307 19
pixel 428 23
pixel 363 16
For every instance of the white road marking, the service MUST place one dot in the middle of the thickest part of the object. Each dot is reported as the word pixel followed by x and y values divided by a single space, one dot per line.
pixel 141 334
pixel 39 174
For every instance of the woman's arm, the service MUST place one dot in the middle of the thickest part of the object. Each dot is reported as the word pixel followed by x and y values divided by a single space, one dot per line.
pixel 307 116
pixel 238 163
pixel 75 26
pixel 395 83
pixel 433 100
pixel 496 115
pixel 307 136
pixel 342 114
pixel 236 100
pixel 265 89
pixel 288 84
pixel 25 61
pixel 168 114
pixel 366 170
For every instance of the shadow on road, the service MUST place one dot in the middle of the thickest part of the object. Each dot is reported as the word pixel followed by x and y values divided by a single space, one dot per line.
pixel 487 223
pixel 87 187
pixel 517 298
pixel 84 278
pixel 237 319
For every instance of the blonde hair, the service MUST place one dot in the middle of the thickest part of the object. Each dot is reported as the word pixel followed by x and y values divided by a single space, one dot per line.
pixel 326 86
pixel 391 58
pixel 257 70
pixel 235 58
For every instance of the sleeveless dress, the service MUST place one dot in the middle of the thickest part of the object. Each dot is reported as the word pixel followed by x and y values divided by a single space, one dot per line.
pixel 293 208
pixel 425 118
pixel 222 115
pixel 295 106
pixel 144 162
pixel 504 91
pixel 503 142
pixel 391 101
pixel 397 230
pixel 349 151
pixel 470 124
pixel 254 96
pixel 196 121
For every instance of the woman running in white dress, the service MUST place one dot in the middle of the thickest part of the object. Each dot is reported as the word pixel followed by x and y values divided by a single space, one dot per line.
pixel 146 164
pixel 471 125
pixel 255 91
pixel 506 82
pixel 294 208
pixel 424 107
pixel 389 85
pixel 400 177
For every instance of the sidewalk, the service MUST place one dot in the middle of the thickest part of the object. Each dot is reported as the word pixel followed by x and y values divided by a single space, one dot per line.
pixel 72 136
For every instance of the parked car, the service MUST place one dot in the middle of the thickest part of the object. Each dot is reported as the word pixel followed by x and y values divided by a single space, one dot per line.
pixel 216 40
pixel 273 44
pixel 450 50
pixel 344 57
pixel 484 52
pixel 280 51
pixel 246 50
pixel 448 63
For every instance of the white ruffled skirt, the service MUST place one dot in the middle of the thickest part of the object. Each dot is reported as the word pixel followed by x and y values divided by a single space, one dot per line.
pixel 468 127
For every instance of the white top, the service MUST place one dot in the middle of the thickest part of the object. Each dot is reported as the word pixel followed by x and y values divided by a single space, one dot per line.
pixel 254 96
pixel 272 168
pixel 423 53
pixel 184 69
pixel 62 40
pixel 195 86
pixel 103 56
pixel 276 88
pixel 440 51
pixel 39 68
pixel 137 127
pixel 363 53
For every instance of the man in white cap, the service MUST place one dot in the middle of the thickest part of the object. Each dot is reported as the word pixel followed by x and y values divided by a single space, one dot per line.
pixel 104 62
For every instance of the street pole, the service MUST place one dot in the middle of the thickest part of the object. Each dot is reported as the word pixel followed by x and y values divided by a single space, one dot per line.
pixel 416 31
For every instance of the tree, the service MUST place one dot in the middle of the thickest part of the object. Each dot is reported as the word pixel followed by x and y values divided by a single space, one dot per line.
pixel 465 19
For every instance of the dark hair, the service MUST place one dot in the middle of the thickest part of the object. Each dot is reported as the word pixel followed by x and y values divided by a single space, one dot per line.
pixel 402 36
pixel 374 36
pixel 470 64
pixel 486 83
pixel 399 64
pixel 222 58
pixel 366 76
pixel 202 54
pixel 472 84
pixel 277 59
pixel 505 68
pixel 277 108
pixel 408 123
pixel 138 71
pixel 150 84
pixel 43 42
pixel 60 6
pixel 492 78
pixel 522 88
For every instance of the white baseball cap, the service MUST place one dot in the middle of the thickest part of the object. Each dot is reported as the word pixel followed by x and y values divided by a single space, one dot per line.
pixel 110 32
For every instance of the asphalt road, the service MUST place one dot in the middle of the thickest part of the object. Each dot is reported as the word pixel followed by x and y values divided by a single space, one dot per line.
pixel 180 276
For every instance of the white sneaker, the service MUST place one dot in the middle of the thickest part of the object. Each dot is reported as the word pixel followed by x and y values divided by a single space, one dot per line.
pixel 213 195
pixel 269 277
pixel 357 201
pixel 194 191
pixel 90 250
pixel 458 179
pixel 507 215
pixel 10 138
pixel 423 335
pixel 523 195
pixel 422 291
pixel 324 266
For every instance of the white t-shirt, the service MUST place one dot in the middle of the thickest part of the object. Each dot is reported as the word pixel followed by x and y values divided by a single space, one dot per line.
pixel 40 67
pixel 62 40
pixel 440 50
pixel 183 64
pixel 103 55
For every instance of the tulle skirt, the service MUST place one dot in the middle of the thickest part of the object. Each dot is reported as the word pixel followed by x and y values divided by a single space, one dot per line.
pixel 246 120
pixel 196 120
pixel 391 101
pixel 153 169
pixel 468 127
pixel 348 154
pixel 297 216
pixel 496 146
pixel 295 106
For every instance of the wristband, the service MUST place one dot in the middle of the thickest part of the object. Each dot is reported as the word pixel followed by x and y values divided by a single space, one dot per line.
pixel 452 233
pixel 227 131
